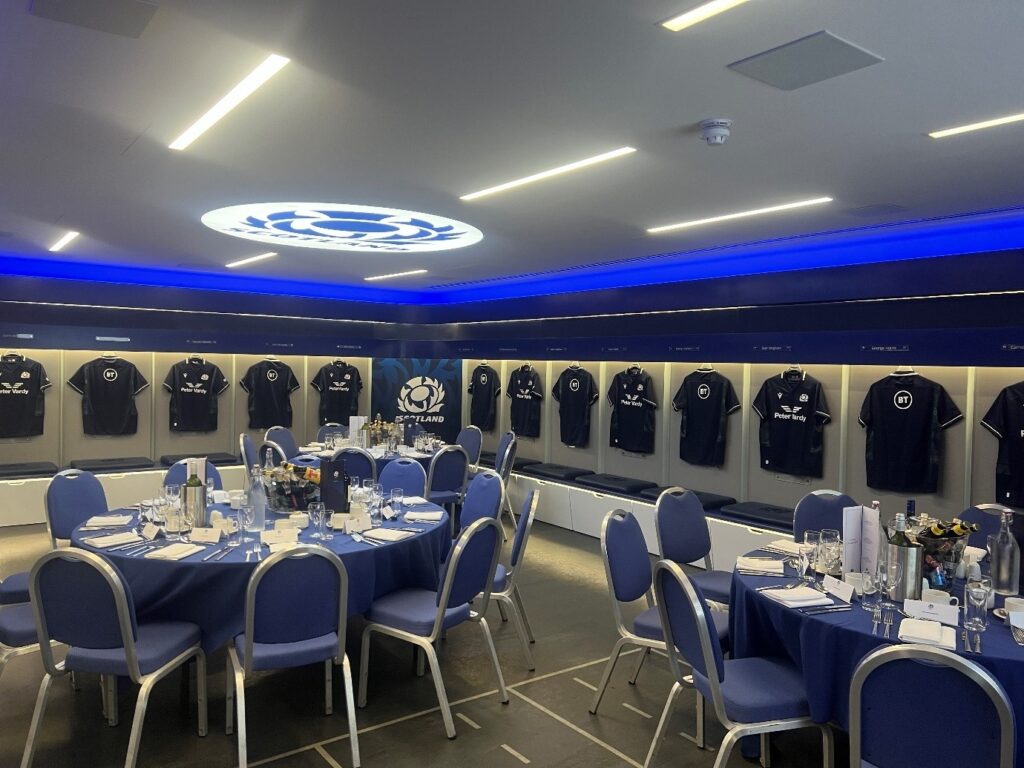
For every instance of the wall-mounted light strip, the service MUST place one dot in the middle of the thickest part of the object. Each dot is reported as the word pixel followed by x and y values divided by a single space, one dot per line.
pixel 250 260
pixel 270 66
pixel 739 215
pixel 575 166
pixel 993 123
pixel 700 13
pixel 396 274
pixel 66 238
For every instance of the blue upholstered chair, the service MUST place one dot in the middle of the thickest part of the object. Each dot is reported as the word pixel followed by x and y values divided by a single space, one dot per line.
pixel 176 474
pixel 283 438
pixel 885 733
pixel 484 497
pixel 273 450
pixel 80 600
pixel 14 589
pixel 751 696
pixel 247 449
pixel 988 517
pixel 358 463
pixel 305 461
pixel 406 474
pixel 683 537
pixel 819 510
pixel 296 611
pixel 504 461
pixel 420 616
pixel 72 497
pixel 331 428
pixel 472 440
pixel 505 591
pixel 17 632
pixel 446 479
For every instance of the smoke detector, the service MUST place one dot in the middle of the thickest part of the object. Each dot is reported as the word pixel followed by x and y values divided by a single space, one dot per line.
pixel 715 131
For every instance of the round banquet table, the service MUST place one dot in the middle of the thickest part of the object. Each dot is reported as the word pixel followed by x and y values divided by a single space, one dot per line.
pixel 211 594
pixel 826 648
pixel 313 459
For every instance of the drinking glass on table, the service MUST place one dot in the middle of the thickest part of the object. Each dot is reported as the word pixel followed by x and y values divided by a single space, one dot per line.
pixel 869 597
pixel 888 578
pixel 830 548
pixel 397 500
pixel 976 595
pixel 326 523
pixel 813 538
pixel 172 494
pixel 247 522
pixel 805 558
pixel 316 516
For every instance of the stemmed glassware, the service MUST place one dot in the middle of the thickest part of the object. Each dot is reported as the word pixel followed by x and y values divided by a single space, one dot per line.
pixel 325 524
pixel 805 559
pixel 888 578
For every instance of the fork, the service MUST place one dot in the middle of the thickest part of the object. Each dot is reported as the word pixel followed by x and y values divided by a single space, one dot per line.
pixel 876 619
pixel 887 621
pixel 1018 635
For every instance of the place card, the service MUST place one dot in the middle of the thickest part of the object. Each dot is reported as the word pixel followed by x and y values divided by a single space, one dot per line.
pixel 150 531
pixel 923 609
pixel 280 536
pixel 388 513
pixel 840 589
pixel 206 535
pixel 358 524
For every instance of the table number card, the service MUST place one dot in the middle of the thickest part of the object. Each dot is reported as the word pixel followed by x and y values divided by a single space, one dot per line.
pixel 206 535
pixel 150 531
pixel 923 609
pixel 280 536
pixel 840 589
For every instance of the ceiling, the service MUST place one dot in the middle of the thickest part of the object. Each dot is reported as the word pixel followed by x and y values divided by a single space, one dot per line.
pixel 412 104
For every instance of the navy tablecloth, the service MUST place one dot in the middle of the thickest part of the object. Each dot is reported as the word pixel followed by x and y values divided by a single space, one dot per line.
pixel 827 648
pixel 212 594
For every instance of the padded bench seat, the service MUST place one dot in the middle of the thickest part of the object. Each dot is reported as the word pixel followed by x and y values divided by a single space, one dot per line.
pixel 559 472
pixel 520 464
pixel 614 483
pixel 710 501
pixel 487 459
pixel 27 469
pixel 113 465
pixel 217 459
pixel 759 513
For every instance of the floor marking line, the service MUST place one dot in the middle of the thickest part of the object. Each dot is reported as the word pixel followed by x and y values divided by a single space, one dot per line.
pixel 467 721
pixel 708 747
pixel 640 712
pixel 580 731
pixel 584 665
pixel 327 757
pixel 585 684
pixel 521 758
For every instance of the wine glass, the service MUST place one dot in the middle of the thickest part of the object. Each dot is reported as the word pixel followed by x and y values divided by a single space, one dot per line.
pixel 805 558
pixel 831 549
pixel 813 538
pixel 869 596
pixel 316 514
pixel 889 577
pixel 172 494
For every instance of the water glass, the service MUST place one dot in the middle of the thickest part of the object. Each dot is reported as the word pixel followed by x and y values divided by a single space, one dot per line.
pixel 172 494
pixel 805 559
pixel 831 549
pixel 247 522
pixel 813 538
pixel 316 515
pixel 870 596
pixel 976 595
pixel 888 578
pixel 325 524
pixel 397 500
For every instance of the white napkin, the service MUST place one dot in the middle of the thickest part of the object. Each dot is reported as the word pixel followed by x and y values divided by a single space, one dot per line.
pixel 107 521
pixel 775 567
pixel 102 542
pixel 414 500
pixel 786 545
pixel 220 497
pixel 423 517
pixel 177 551
pixel 799 597
pixel 387 534
pixel 977 554
pixel 377 453
pixel 281 546
pixel 927 632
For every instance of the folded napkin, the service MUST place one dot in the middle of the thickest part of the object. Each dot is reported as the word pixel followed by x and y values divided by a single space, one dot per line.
pixel 786 546
pixel 220 497
pixel 387 534
pixel 281 546
pixel 377 453
pixel 774 567
pixel 423 517
pixel 928 633
pixel 107 521
pixel 800 597
pixel 414 500
pixel 174 551
pixel 102 542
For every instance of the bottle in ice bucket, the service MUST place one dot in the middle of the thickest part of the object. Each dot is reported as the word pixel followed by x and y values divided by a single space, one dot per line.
pixel 1005 558
pixel 193 496
pixel 910 557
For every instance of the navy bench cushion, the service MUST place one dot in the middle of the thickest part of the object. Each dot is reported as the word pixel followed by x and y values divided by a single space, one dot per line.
pixel 615 483
pixel 710 501
pixel 113 465
pixel 487 459
pixel 218 459
pixel 757 512
pixel 523 463
pixel 28 469
pixel 556 472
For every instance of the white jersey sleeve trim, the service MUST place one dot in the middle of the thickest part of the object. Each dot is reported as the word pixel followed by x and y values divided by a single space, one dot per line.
pixel 952 421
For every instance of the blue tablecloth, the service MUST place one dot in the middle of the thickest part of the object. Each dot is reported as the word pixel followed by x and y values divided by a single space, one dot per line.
pixel 313 460
pixel 827 648
pixel 212 593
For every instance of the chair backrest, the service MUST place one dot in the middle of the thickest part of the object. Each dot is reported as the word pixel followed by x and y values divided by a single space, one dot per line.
pixel 72 497
pixel 469 570
pixel 690 636
pixel 472 440
pixel 988 517
pixel 284 438
pixel 448 470
pixel 176 474
pixel 483 498
pixel 276 453
pixel 331 428
pixel 296 594
pixel 682 527
pixel 406 474
pixel 505 456
pixel 626 562
pixel 819 510
pixel 247 449
pixel 358 463
pixel 79 599
pixel 887 734
pixel 523 526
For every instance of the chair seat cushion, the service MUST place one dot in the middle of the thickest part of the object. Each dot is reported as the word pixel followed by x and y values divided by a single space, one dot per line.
pixel 156 643
pixel 113 465
pixel 413 610
pixel 217 459
pixel 707 500
pixel 28 469
pixel 759 689
pixel 555 472
pixel 286 655
pixel 758 512
pixel 614 483
pixel 17 625
pixel 443 498
pixel 500 578
pixel 648 624
pixel 14 589
pixel 714 585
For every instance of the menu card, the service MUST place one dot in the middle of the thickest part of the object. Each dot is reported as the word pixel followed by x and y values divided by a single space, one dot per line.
pixel 861 535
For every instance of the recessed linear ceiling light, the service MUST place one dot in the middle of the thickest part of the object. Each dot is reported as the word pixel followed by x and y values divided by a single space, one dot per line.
pixel 270 66
pixel 250 260
pixel 396 274
pixel 739 215
pixel 551 172
pixel 997 121
pixel 700 13
pixel 66 238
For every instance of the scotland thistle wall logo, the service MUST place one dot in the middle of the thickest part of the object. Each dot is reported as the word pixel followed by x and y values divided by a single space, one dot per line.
pixel 421 394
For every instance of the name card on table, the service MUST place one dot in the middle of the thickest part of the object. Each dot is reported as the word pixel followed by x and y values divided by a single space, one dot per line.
pixel 388 513
pixel 358 524
pixel 150 531
pixel 206 535
pixel 280 536
pixel 924 609
pixel 840 589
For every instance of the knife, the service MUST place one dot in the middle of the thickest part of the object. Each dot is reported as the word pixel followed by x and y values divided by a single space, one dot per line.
pixel 213 554
pixel 223 553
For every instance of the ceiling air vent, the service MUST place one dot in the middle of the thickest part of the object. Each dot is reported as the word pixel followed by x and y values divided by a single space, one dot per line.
pixel 127 18
pixel 806 61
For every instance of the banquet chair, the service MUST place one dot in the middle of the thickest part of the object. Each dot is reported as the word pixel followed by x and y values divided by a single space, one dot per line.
pixel 359 464
pixel 683 537
pixel 751 696
pixel 17 633
pixel 14 589
pixel 420 616
pixel 176 474
pixel 484 498
pixel 988 518
pixel 296 611
pixel 273 450
pixel 283 438
pixel 505 591
pixel 247 450
pixel 504 461
pixel 72 497
pixel 79 599
pixel 331 428
pixel 885 733
pixel 472 440
pixel 406 474
pixel 819 510
pixel 446 478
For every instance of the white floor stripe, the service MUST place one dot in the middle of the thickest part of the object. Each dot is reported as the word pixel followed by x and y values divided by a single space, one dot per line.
pixel 640 712
pixel 521 758
pixel 585 684
pixel 467 721
pixel 584 665
pixel 327 757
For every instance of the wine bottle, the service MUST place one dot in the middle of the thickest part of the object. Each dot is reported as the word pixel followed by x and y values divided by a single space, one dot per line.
pixel 899 536
pixel 193 502
pixel 1006 559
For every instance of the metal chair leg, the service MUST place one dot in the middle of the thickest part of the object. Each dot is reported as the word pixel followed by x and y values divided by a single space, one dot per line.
pixel 37 719
pixel 666 713
pixel 517 621
pixel 74 682
pixel 364 667
pixel 502 612
pixel 420 661
pixel 701 722
pixel 329 687
pixel 140 716
pixel 518 597
pixel 237 673
pixel 725 749
pixel 828 749
pixel 201 697
pixel 110 699
pixel 608 669
pixel 442 696
pixel 350 706
pixel 494 658
pixel 639 665
pixel 766 750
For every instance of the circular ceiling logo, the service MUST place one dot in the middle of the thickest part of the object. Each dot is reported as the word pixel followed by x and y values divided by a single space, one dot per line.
pixel 421 394
pixel 342 227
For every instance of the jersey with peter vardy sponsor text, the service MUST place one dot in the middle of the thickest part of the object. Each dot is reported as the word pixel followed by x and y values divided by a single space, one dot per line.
pixel 194 385
pixel 793 415
pixel 575 391
pixel 270 384
pixel 1005 420
pixel 704 400
pixel 22 403
pixel 108 386
pixel 484 388
pixel 631 395
pixel 525 391
pixel 904 415
pixel 339 385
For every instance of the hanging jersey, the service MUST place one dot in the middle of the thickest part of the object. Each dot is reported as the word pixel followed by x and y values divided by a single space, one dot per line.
pixel 108 386
pixel 484 389
pixel 631 395
pixel 575 392
pixel 904 415
pixel 524 389
pixel 194 385
pixel 704 401
pixel 793 414
pixel 1005 420
pixel 339 385
pixel 270 384
pixel 22 402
